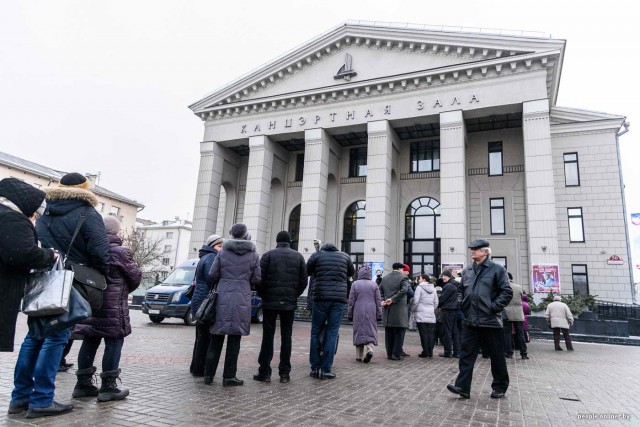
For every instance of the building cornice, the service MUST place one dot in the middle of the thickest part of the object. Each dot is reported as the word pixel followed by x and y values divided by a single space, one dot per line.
pixel 485 54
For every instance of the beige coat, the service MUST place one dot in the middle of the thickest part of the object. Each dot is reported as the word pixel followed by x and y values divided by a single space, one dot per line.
pixel 559 315
pixel 514 309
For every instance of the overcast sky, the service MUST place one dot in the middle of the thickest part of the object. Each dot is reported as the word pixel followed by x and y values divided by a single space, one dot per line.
pixel 103 86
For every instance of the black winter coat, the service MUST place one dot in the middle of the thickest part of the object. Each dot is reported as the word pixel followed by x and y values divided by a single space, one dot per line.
pixel 55 228
pixel 448 300
pixel 207 255
pixel 19 253
pixel 483 297
pixel 112 320
pixel 331 269
pixel 284 278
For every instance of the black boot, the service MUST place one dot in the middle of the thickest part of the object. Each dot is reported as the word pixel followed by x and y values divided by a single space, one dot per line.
pixel 84 386
pixel 109 390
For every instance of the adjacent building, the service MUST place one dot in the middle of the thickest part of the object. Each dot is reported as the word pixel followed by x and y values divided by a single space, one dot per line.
pixel 109 203
pixel 407 142
pixel 172 238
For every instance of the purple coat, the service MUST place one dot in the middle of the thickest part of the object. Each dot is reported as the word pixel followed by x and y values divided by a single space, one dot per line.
pixel 235 271
pixel 364 308
pixel 112 320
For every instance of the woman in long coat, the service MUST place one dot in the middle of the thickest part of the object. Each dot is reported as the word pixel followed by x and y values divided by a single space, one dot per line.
pixel 235 272
pixel 424 304
pixel 111 322
pixel 365 311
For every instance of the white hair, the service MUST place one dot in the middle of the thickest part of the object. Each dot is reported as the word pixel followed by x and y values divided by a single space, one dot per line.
pixel 487 250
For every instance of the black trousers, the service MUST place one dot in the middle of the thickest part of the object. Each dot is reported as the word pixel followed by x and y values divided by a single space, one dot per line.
pixel 230 357
pixel 427 333
pixel 508 338
pixel 110 358
pixel 200 348
pixel 450 332
pixel 268 333
pixel 394 340
pixel 567 338
pixel 491 340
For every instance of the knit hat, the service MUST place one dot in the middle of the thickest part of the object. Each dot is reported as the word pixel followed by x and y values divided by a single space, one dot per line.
pixel 74 179
pixel 398 266
pixel 213 240
pixel 24 196
pixel 557 298
pixel 405 267
pixel 283 237
pixel 448 274
pixel 111 225
pixel 239 231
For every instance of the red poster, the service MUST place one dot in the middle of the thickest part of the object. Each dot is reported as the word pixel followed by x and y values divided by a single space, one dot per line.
pixel 545 278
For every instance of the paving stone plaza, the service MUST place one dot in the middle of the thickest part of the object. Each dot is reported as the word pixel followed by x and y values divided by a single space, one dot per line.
pixel 551 389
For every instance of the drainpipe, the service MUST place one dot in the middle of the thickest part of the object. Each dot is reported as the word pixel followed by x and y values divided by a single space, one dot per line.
pixel 626 125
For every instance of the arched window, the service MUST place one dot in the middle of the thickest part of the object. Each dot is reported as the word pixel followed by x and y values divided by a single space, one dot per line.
pixel 294 227
pixel 353 233
pixel 422 236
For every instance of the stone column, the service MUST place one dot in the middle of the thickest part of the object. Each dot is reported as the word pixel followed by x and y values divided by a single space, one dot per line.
pixel 205 210
pixel 379 166
pixel 258 194
pixel 314 189
pixel 453 189
pixel 542 227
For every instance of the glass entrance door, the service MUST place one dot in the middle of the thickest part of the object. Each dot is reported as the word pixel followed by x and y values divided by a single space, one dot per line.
pixel 422 236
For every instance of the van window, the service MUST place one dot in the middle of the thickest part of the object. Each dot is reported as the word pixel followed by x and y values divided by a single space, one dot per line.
pixel 180 276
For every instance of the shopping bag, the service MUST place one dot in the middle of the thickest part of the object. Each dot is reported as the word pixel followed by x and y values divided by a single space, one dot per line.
pixel 206 313
pixel 44 326
pixel 47 293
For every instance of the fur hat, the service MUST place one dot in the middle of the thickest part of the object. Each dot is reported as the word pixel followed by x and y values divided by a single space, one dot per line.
pixel 239 231
pixel 111 225
pixel 283 237
pixel 74 179
pixel 24 196
pixel 213 240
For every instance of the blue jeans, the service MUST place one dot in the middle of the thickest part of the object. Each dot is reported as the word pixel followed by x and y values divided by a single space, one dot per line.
pixel 36 369
pixel 328 312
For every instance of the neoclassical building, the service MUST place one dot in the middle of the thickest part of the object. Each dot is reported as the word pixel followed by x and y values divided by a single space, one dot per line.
pixel 407 142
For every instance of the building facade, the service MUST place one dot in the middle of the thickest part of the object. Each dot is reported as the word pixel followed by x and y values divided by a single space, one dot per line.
pixel 109 203
pixel 172 238
pixel 405 143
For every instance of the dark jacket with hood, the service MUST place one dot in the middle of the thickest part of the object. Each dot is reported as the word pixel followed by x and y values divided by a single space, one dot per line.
pixel 19 252
pixel 448 300
pixel 331 269
pixel 207 255
pixel 485 295
pixel 235 271
pixel 55 228
pixel 284 278
pixel 112 320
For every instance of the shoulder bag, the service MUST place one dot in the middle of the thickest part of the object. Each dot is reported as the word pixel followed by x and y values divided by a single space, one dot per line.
pixel 44 326
pixel 206 313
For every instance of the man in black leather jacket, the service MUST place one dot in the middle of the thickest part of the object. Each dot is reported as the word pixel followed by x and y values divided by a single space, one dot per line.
pixel 484 292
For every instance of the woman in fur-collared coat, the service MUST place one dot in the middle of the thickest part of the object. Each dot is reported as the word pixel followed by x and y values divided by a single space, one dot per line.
pixel 235 272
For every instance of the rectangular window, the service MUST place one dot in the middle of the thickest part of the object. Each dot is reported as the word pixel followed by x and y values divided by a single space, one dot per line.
pixel 495 158
pixel 571 170
pixel 576 226
pixel 501 260
pixel 115 211
pixel 299 167
pixel 425 156
pixel 167 248
pixel 100 207
pixel 169 235
pixel 37 185
pixel 358 162
pixel 165 261
pixel 497 215
pixel 580 279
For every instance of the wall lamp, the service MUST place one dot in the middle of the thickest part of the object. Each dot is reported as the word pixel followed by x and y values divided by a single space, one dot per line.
pixel 452 249
pixel 373 249
pixel 544 249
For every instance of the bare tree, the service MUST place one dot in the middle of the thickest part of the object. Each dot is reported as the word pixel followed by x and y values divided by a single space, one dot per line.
pixel 147 252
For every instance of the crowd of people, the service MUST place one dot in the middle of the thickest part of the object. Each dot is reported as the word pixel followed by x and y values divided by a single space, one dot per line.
pixel 476 310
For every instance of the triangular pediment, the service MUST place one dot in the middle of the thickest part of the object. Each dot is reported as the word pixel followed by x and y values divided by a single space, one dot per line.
pixel 361 58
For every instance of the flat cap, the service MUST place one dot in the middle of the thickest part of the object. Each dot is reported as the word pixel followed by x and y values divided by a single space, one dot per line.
pixel 480 243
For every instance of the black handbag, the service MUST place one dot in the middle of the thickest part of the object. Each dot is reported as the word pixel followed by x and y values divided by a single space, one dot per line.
pixel 44 326
pixel 89 282
pixel 206 313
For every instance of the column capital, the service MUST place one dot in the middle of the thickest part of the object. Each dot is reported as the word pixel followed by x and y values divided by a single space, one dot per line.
pixel 537 107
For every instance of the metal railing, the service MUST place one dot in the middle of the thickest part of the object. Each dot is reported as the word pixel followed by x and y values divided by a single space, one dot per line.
pixel 617 310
